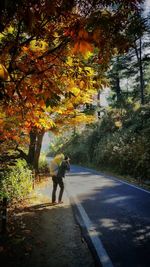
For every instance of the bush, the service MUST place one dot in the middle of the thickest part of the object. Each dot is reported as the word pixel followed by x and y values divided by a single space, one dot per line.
pixel 119 142
pixel 16 182
pixel 43 165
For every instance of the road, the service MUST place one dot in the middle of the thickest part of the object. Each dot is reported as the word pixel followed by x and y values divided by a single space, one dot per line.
pixel 119 213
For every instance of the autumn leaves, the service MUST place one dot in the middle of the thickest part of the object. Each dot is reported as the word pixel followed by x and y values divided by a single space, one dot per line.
pixel 53 51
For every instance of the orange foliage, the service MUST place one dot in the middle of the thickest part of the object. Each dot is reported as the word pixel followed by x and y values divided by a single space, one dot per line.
pixel 82 47
pixel 39 91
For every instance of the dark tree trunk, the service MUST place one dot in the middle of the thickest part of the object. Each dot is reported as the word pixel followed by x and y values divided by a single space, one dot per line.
pixel 139 60
pixel 39 139
pixel 118 89
pixel 36 138
pixel 31 153
pixel 141 74
pixel 4 215
pixel 98 104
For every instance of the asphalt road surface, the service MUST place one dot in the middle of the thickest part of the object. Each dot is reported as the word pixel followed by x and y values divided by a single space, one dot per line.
pixel 119 212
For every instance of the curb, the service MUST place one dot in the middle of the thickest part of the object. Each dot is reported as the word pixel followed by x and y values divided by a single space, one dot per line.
pixel 90 234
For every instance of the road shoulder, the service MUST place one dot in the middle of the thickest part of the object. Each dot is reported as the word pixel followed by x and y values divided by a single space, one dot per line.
pixel 45 235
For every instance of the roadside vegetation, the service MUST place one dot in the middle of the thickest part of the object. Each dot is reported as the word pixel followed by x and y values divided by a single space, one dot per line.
pixel 56 57
pixel 119 142
pixel 16 181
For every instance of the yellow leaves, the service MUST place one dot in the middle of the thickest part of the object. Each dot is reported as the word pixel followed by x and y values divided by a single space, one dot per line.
pixel 82 84
pixel 71 83
pixel 59 111
pixel 90 71
pixel 70 61
pixel 56 35
pixel 8 30
pixel 75 91
pixel 66 108
pixel 70 106
pixel 3 72
pixel 45 123
pixel 118 124
pixel 80 118
pixel 136 106
pixel 38 45
pixel 115 51
pixel 88 54
pixel 73 88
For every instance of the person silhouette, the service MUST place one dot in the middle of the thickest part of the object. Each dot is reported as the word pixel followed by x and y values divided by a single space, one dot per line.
pixel 57 178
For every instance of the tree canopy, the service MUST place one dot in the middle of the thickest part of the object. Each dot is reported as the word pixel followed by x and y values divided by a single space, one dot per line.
pixel 50 53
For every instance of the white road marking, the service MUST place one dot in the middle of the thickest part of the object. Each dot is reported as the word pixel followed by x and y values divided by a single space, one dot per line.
pixel 117 179
pixel 132 185
pixel 93 234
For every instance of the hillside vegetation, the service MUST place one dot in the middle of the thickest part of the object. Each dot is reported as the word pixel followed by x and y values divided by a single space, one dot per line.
pixel 119 142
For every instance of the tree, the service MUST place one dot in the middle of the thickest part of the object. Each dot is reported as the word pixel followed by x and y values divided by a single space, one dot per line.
pixel 136 33
pixel 133 65
pixel 37 41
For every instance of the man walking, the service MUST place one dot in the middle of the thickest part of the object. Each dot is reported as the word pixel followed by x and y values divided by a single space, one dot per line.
pixel 58 179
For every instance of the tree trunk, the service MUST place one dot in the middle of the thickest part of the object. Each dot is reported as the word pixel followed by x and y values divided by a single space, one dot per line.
pixel 118 89
pixel 31 153
pixel 4 215
pixel 39 139
pixel 117 78
pixel 141 74
pixel 139 60
pixel 36 138
pixel 98 104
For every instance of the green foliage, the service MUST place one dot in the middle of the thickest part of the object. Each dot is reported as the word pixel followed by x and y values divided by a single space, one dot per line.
pixel 129 72
pixel 16 182
pixel 43 165
pixel 120 142
pixel 77 149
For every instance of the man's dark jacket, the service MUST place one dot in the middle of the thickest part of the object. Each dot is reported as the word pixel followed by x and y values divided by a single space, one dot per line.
pixel 65 166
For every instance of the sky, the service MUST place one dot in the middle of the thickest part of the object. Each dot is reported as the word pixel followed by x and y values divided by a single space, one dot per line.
pixel 147 6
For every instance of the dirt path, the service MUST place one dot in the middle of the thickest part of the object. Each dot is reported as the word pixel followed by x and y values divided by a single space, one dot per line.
pixel 45 235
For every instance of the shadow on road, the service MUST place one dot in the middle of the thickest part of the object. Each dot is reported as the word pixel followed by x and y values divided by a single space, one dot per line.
pixel 45 235
pixel 122 223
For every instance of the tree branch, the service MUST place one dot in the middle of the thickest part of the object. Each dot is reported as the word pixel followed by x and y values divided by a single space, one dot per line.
pixel 22 154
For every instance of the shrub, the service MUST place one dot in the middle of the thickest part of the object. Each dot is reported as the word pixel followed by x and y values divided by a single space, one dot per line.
pixel 119 142
pixel 43 165
pixel 16 182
